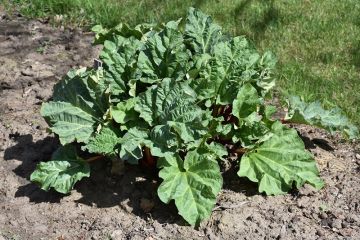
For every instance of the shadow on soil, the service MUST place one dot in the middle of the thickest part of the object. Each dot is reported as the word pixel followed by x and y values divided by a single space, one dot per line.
pixel 103 190
pixel 316 142
pixel 30 153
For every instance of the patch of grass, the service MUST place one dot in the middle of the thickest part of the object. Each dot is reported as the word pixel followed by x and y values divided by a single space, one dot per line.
pixel 317 42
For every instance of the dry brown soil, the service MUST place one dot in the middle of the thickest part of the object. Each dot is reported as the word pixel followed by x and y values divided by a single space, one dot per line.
pixel 33 57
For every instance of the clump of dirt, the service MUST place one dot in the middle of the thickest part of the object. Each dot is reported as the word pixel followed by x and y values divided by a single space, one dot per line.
pixel 33 57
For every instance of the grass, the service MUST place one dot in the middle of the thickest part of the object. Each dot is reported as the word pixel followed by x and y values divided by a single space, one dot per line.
pixel 317 42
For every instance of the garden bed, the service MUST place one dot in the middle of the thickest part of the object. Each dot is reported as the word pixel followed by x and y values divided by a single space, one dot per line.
pixel 33 57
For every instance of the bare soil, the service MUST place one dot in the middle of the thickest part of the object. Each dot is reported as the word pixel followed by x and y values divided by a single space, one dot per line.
pixel 33 57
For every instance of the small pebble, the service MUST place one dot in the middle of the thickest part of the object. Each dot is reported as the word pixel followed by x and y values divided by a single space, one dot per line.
pixel 324 222
pixel 77 57
pixel 117 234
pixel 345 224
pixel 336 223
pixel 319 233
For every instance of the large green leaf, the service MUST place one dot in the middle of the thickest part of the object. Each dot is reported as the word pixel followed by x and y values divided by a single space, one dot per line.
pixel 164 56
pixel 279 162
pixel 161 103
pixel 69 122
pixel 200 31
pixel 233 63
pixel 78 106
pixel 62 172
pixel 85 89
pixel 119 60
pixel 313 114
pixel 172 109
pixel 193 183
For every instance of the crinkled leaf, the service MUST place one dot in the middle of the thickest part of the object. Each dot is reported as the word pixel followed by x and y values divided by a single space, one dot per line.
pixel 193 183
pixel 200 31
pixel 85 89
pixel 173 104
pixel 200 62
pixel 105 142
pixel 69 122
pixel 62 172
pixel 223 129
pixel 163 102
pixel 279 162
pixel 313 114
pixel 191 124
pixel 120 58
pixel 233 64
pixel 78 106
pixel 164 56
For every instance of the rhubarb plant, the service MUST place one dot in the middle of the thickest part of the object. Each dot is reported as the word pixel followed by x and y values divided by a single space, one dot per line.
pixel 175 96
